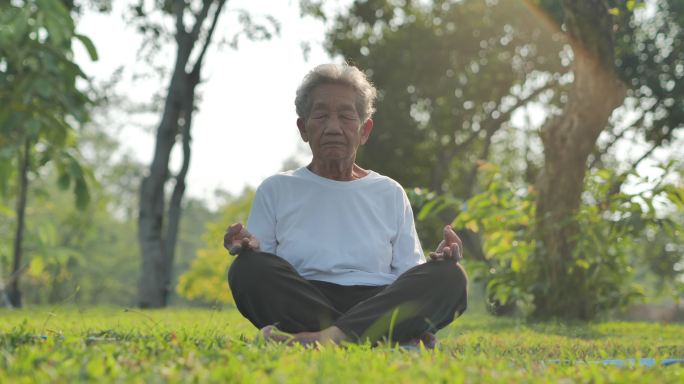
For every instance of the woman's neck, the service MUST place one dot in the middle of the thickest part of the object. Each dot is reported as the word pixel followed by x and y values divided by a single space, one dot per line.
pixel 337 170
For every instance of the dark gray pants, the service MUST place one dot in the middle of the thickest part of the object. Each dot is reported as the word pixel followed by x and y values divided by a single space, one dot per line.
pixel 268 290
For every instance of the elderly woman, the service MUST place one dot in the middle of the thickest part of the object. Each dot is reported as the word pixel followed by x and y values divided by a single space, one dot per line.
pixel 330 252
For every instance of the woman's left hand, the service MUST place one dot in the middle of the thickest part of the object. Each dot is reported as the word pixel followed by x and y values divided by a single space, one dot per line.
pixel 451 248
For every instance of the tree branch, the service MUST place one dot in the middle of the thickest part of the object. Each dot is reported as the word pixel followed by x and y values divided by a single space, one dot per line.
pixel 207 40
pixel 645 155
pixel 598 154
pixel 620 180
pixel 179 6
pixel 493 124
pixel 199 19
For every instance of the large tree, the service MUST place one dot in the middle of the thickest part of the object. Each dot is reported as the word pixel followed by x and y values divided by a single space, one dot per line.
pixel 451 73
pixel 194 24
pixel 614 56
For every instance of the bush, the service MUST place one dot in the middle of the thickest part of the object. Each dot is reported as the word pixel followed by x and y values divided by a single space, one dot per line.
pixel 205 281
pixel 615 231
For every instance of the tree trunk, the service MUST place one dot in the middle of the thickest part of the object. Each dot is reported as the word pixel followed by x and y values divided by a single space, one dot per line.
pixel 4 299
pixel 175 208
pixel 13 292
pixel 152 290
pixel 156 246
pixel 568 140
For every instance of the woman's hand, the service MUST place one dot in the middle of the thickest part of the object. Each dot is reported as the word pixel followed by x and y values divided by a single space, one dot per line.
pixel 237 240
pixel 451 248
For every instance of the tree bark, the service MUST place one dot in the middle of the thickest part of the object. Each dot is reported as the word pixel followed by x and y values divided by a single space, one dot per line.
pixel 175 208
pixel 568 140
pixel 153 291
pixel 13 292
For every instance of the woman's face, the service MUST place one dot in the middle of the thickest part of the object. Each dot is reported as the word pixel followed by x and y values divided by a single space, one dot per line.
pixel 334 129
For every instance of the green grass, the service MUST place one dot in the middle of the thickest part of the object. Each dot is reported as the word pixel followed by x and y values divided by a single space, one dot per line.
pixel 192 345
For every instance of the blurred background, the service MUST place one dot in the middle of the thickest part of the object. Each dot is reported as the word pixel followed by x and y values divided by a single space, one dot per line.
pixel 132 133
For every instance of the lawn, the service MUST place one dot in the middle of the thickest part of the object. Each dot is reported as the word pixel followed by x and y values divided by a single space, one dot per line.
pixel 192 345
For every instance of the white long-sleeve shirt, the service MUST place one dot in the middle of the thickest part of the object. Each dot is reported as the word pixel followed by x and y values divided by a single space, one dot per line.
pixel 358 232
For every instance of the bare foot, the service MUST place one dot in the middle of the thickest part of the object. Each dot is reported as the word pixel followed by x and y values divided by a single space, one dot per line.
pixel 271 333
pixel 331 335
pixel 428 339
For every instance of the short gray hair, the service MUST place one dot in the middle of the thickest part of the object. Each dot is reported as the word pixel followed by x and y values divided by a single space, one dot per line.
pixel 337 74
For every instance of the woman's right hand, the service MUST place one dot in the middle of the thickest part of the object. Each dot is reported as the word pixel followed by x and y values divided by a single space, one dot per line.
pixel 237 240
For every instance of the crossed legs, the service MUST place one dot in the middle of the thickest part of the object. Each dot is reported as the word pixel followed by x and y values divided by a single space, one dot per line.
pixel 269 291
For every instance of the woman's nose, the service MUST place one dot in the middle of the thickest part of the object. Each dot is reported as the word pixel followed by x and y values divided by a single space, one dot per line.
pixel 333 125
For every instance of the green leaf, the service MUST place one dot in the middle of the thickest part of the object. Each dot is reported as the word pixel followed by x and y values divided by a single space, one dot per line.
pixel 675 195
pixel 89 46
pixel 82 194
pixel 55 30
pixel 427 209
pixel 64 181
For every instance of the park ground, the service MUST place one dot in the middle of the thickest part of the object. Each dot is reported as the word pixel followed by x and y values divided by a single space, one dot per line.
pixel 72 344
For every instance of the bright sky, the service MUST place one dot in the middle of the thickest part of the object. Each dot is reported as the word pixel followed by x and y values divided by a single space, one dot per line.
pixel 245 126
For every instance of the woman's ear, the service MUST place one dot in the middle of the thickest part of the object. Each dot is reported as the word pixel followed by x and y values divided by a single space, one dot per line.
pixel 302 129
pixel 366 129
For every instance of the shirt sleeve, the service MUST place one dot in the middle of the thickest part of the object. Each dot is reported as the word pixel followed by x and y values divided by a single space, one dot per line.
pixel 406 249
pixel 262 219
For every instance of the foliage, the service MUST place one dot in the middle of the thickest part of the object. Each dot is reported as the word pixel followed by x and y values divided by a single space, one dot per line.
pixel 450 75
pixel 616 233
pixel 650 52
pixel 504 217
pixel 114 345
pixel 41 103
pixel 81 254
pixel 205 280
pixel 616 237
pixel 86 255
pixel 649 38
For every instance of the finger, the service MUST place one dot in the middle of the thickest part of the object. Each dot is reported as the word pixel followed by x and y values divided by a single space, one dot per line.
pixel 238 238
pixel 254 243
pixel 244 233
pixel 240 244
pixel 450 236
pixel 234 229
pixel 230 234
pixel 447 252
pixel 457 252
pixel 440 246
pixel 234 249
pixel 244 241
pixel 236 246
pixel 227 242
